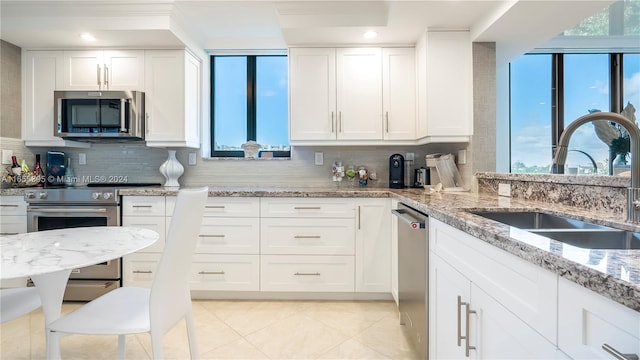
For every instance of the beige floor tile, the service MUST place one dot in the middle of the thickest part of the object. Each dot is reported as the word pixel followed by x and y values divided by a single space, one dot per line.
pixel 350 317
pixel 352 349
pixel 387 338
pixel 16 339
pixel 296 337
pixel 239 349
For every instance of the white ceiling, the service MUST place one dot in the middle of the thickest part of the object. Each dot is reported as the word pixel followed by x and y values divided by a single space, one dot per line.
pixel 262 24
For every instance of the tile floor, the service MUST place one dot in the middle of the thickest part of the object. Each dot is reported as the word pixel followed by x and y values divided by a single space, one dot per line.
pixel 240 330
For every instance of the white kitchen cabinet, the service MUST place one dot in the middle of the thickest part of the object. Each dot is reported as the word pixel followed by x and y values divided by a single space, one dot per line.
pixel 394 253
pixel 399 93
pixel 13 215
pixel 304 236
pixel 359 93
pixel 445 86
pixel 373 245
pixel 147 212
pixel 518 319
pixel 587 321
pixel 172 98
pixel 42 73
pixel 225 272
pixel 104 70
pixel 337 95
pixel 312 94
pixel 312 273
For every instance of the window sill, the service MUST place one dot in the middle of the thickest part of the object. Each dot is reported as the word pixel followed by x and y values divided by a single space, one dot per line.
pixel 244 159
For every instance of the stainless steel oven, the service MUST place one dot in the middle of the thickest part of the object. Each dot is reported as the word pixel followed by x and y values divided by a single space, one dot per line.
pixel 59 208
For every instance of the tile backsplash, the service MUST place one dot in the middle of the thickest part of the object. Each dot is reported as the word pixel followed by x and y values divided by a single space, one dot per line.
pixel 139 163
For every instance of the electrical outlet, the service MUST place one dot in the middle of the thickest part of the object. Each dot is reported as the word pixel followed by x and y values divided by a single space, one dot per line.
pixel 504 190
pixel 192 158
pixel 6 156
pixel 319 158
pixel 82 159
pixel 410 156
pixel 462 157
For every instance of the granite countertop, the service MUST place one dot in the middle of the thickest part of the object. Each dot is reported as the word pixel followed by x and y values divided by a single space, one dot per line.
pixel 612 273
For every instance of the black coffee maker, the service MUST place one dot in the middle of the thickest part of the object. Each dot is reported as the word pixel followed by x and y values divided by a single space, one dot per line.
pixel 396 171
pixel 55 168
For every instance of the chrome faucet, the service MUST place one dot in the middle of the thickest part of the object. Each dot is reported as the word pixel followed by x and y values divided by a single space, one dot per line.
pixel 633 193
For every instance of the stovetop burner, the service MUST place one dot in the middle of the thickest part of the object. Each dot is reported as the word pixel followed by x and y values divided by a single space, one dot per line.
pixel 92 193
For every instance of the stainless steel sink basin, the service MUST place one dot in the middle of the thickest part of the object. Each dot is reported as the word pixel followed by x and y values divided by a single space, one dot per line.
pixel 537 220
pixel 612 239
pixel 567 230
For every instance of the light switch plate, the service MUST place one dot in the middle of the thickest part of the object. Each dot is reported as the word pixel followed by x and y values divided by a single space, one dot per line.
pixel 319 158
pixel 82 159
pixel 192 158
pixel 410 156
pixel 6 156
pixel 504 190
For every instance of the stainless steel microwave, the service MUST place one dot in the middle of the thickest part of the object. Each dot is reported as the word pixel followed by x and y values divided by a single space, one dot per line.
pixel 99 115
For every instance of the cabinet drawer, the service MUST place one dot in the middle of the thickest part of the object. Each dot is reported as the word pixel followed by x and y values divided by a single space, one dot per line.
pixel 155 223
pixel 587 320
pixel 308 236
pixel 229 236
pixel 527 290
pixel 225 272
pixel 307 207
pixel 11 225
pixel 224 207
pixel 307 273
pixel 139 269
pixel 143 206
pixel 13 205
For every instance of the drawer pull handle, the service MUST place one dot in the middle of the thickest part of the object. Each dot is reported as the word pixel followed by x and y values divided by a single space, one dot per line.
pixel 8 233
pixel 307 237
pixel 142 272
pixel 211 236
pixel 460 337
pixel 307 274
pixel 141 206
pixel 307 208
pixel 466 330
pixel 214 206
pixel 211 272
pixel 8 205
pixel 617 354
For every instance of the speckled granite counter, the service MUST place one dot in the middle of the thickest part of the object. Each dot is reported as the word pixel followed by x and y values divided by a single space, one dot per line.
pixel 612 273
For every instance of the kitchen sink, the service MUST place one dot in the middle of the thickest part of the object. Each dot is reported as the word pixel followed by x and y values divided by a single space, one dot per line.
pixel 570 231
pixel 537 220
pixel 611 239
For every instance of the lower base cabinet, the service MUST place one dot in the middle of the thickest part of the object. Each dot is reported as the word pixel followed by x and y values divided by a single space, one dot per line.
pixel 138 269
pixel 587 321
pixel 315 273
pixel 225 272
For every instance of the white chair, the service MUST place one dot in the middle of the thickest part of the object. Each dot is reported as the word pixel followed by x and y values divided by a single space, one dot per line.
pixel 132 310
pixel 15 302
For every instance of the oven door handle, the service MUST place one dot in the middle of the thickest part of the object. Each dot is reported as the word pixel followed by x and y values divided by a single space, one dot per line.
pixel 68 211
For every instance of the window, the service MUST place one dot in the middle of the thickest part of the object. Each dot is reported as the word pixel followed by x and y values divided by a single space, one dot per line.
pixel 249 101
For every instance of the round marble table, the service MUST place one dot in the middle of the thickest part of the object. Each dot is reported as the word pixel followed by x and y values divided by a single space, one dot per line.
pixel 49 256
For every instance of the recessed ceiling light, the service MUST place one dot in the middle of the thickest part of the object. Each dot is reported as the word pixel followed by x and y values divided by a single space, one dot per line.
pixel 87 37
pixel 370 34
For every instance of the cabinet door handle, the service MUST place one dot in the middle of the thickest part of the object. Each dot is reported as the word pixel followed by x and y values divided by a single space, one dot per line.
pixel 466 329
pixel 5 233
pixel 98 76
pixel 332 123
pixel 8 205
pixel 106 77
pixel 211 272
pixel 358 217
pixel 460 337
pixel 146 123
pixel 141 206
pixel 386 126
pixel 307 208
pixel 306 237
pixel 214 206
pixel 340 121
pixel 617 354
pixel 142 272
pixel 307 274
pixel 211 236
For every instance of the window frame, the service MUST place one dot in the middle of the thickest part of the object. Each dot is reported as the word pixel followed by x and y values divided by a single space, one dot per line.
pixel 616 86
pixel 251 105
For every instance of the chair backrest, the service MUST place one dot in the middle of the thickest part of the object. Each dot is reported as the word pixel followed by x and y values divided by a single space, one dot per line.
pixel 170 294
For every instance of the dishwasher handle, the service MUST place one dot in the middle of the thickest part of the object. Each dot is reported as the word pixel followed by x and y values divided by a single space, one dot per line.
pixel 406 217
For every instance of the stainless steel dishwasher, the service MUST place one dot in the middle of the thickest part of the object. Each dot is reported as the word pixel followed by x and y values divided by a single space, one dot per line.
pixel 413 267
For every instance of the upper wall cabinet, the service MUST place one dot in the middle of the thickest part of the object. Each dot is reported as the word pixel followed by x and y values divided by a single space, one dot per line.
pixel 445 86
pixel 172 99
pixel 41 75
pixel 336 95
pixel 104 70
